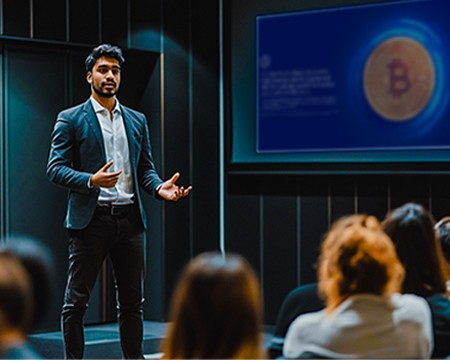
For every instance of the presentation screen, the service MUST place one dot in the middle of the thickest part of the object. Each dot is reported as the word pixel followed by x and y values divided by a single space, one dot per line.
pixel 362 84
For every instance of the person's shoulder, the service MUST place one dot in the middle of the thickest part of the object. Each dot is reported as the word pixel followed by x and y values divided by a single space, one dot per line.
pixel 308 320
pixel 411 306
pixel 73 111
pixel 129 111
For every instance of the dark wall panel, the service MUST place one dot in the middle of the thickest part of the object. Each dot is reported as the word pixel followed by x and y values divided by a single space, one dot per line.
pixel 205 125
pixel 84 21
pixel 372 195
pixel 114 22
pixel 34 205
pixel 145 23
pixel 405 189
pixel 243 220
pixel 154 307
pixel 176 129
pixel 79 88
pixel 16 17
pixel 280 244
pixel 314 222
pixel 440 196
pixel 342 197
pixel 49 19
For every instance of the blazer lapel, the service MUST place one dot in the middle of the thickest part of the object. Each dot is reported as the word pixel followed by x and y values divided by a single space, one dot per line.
pixel 91 119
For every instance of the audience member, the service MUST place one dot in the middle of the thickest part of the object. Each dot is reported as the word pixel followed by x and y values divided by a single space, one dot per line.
pixel 301 300
pixel 216 311
pixel 16 309
pixel 442 228
pixel 411 228
pixel 365 317
pixel 36 257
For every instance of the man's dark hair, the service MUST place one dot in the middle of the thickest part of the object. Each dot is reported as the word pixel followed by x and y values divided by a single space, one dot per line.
pixel 107 50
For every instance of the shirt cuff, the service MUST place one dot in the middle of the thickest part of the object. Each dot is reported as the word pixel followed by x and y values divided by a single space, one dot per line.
pixel 89 185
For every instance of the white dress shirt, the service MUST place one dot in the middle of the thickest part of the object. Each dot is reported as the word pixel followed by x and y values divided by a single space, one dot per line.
pixel 116 149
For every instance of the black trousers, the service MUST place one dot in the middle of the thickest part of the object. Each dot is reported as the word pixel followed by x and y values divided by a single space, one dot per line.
pixel 120 237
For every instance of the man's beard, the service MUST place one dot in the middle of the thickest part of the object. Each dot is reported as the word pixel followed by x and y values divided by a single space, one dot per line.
pixel 99 92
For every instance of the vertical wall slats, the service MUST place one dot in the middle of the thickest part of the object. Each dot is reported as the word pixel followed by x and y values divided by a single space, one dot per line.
pixel 280 245
pixel 205 125
pixel 178 245
pixel 342 192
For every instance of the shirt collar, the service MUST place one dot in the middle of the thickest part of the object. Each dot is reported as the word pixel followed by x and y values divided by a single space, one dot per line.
pixel 99 108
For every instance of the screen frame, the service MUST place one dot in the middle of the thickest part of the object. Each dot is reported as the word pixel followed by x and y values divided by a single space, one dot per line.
pixel 243 17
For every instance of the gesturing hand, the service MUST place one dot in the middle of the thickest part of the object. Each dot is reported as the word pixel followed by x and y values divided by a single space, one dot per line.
pixel 171 191
pixel 104 178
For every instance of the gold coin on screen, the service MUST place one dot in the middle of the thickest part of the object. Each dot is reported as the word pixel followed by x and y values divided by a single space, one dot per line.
pixel 399 78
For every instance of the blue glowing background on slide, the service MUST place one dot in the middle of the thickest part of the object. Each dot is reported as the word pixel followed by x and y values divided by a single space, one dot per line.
pixel 329 48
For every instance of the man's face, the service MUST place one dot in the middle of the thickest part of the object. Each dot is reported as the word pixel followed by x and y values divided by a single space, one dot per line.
pixel 105 77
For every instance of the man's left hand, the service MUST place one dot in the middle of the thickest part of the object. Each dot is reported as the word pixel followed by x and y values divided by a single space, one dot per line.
pixel 171 191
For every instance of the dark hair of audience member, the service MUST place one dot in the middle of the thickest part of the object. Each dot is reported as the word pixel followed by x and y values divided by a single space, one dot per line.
pixel 16 302
pixel 357 257
pixel 442 228
pixel 216 311
pixel 37 260
pixel 411 228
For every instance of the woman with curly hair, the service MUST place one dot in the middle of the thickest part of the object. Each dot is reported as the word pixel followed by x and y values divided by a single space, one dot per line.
pixel 365 316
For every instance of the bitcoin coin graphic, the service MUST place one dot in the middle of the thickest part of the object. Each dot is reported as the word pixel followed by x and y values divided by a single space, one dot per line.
pixel 399 78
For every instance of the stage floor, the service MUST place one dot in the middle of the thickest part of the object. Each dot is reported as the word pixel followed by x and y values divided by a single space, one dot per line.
pixel 103 342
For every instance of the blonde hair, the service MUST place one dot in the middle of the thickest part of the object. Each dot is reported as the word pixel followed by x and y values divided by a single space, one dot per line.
pixel 357 257
pixel 216 311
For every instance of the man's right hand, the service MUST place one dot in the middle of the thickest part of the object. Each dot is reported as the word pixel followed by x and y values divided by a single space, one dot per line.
pixel 105 179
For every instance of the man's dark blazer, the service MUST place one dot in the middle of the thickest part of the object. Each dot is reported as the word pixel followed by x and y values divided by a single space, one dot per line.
pixel 77 151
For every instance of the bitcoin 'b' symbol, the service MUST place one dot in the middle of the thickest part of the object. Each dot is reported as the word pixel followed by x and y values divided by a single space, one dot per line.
pixel 399 83
pixel 399 78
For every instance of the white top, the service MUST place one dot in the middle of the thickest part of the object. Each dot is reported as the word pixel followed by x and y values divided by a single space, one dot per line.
pixel 365 326
pixel 116 149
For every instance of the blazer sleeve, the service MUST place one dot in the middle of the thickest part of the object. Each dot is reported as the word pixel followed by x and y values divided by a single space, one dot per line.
pixel 146 171
pixel 60 161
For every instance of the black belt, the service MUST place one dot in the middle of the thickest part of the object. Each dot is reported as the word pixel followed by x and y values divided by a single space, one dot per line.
pixel 114 210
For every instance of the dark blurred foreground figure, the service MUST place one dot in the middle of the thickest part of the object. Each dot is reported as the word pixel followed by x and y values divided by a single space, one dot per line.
pixel 411 228
pixel 16 309
pixel 442 228
pixel 37 260
pixel 216 311
pixel 359 277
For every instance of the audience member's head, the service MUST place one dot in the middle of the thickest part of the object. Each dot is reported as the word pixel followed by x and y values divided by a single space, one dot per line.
pixel 442 228
pixel 357 258
pixel 411 228
pixel 216 310
pixel 38 262
pixel 16 301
